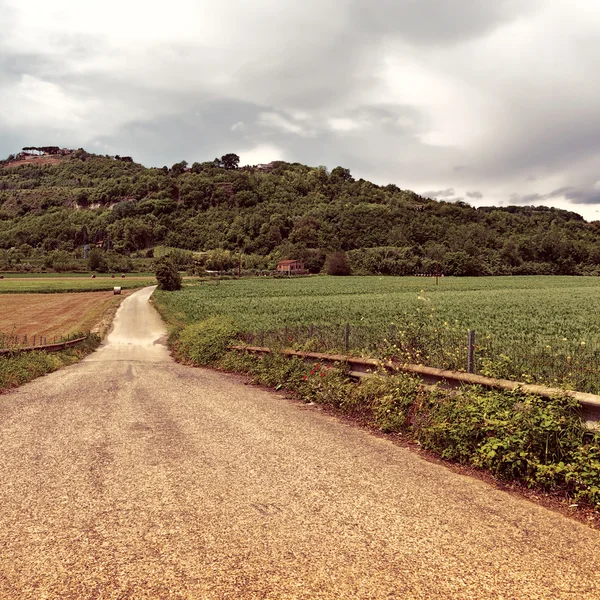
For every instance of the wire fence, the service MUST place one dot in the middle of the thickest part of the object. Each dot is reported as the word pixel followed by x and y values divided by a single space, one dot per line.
pixel 548 361
pixel 10 341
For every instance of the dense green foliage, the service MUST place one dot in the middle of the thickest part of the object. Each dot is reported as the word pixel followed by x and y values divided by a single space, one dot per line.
pixel 537 329
pixel 167 275
pixel 277 211
pixel 205 342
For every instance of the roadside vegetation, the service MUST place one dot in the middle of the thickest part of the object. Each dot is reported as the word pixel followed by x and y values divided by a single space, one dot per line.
pixel 21 367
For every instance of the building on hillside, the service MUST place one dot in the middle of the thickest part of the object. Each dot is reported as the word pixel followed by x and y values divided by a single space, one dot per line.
pixel 291 267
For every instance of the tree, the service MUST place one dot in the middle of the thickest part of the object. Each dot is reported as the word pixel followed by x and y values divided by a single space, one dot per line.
pixel 167 275
pixel 230 161
pixel 341 174
pixel 337 264
pixel 179 168
pixel 97 262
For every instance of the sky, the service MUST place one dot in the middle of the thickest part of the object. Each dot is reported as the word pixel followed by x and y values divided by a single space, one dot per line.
pixel 490 103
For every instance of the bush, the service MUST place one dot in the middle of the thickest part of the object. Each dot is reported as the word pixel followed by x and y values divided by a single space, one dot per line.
pixel 205 342
pixel 97 262
pixel 167 275
pixel 337 264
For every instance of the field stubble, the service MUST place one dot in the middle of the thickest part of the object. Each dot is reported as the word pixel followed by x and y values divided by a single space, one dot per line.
pixel 50 315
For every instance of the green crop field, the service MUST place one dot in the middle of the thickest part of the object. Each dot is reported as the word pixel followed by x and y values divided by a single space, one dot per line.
pixel 53 283
pixel 544 329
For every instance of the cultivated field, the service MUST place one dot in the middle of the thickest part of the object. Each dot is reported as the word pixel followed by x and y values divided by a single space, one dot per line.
pixel 543 329
pixel 52 283
pixel 51 315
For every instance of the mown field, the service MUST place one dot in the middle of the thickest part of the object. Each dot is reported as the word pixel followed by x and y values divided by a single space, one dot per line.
pixel 56 283
pixel 542 329
pixel 43 318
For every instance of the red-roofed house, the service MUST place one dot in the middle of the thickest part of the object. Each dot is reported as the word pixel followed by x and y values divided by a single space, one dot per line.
pixel 293 267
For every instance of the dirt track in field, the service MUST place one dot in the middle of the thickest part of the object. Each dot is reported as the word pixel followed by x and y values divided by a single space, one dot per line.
pixel 52 314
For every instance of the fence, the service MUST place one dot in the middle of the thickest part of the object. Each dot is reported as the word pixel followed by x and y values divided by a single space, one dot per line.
pixel 19 341
pixel 556 362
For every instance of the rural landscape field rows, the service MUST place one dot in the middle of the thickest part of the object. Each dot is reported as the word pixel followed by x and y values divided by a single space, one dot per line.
pixel 542 329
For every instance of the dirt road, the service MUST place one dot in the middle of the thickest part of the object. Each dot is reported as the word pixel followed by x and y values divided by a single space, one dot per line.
pixel 130 476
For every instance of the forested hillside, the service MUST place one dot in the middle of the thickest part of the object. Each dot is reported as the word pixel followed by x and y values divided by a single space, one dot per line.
pixel 275 211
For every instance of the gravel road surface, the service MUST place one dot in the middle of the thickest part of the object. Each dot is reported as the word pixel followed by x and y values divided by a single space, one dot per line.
pixel 130 476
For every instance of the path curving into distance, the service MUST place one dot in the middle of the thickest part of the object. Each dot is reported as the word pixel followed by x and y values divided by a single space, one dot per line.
pixel 130 476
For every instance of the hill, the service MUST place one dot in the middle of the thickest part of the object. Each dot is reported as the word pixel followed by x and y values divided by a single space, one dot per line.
pixel 53 204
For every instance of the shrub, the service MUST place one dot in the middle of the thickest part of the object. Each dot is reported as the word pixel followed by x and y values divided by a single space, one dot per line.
pixel 167 275
pixel 337 264
pixel 97 262
pixel 205 342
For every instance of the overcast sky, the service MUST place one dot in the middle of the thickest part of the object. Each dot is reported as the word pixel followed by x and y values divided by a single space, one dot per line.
pixel 491 102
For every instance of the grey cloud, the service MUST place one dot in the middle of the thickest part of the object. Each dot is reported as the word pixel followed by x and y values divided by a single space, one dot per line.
pixel 200 135
pixel 437 21
pixel 576 195
pixel 476 195
pixel 439 193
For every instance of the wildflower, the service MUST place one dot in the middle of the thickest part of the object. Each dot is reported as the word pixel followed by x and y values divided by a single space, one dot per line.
pixel 322 374
pixel 304 377
pixel 291 339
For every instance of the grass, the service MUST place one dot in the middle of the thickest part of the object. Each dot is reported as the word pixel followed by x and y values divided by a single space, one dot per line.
pixel 47 283
pixel 19 368
pixel 541 329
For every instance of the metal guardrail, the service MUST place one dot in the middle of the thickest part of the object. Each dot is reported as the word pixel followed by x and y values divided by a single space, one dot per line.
pixel 56 347
pixel 365 367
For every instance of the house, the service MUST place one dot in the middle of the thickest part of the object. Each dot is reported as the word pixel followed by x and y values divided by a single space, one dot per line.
pixel 292 267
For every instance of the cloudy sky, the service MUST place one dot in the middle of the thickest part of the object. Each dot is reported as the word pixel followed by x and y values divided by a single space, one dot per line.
pixel 488 102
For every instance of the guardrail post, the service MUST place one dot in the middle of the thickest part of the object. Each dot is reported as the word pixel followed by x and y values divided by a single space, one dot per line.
pixel 471 352
pixel 347 337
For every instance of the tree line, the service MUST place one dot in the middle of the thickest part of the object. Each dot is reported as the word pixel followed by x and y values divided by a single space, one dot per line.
pixel 281 210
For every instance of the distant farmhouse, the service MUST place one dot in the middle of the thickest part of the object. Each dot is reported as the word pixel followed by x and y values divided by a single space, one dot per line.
pixel 291 267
